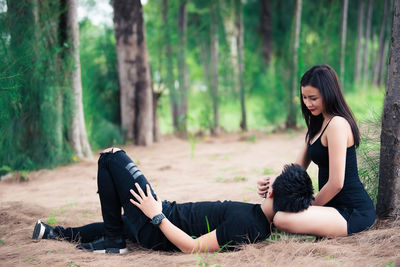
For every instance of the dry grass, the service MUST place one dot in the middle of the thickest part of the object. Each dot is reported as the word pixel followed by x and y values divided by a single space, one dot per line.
pixel 68 193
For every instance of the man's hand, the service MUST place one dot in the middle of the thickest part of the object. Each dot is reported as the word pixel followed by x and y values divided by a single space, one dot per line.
pixel 263 186
pixel 147 204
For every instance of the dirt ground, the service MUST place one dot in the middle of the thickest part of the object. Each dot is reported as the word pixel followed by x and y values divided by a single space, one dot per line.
pixel 220 168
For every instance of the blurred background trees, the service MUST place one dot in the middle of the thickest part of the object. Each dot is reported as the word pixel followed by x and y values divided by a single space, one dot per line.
pixel 205 66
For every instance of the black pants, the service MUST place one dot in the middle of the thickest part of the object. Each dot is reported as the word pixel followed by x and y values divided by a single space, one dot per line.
pixel 117 174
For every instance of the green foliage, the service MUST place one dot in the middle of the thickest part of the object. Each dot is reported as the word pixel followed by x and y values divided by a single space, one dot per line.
pixel 100 85
pixel 34 89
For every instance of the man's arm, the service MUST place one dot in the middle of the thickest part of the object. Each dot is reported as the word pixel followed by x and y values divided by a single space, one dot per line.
pixel 151 207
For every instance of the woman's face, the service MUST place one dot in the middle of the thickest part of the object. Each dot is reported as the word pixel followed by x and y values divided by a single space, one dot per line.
pixel 312 99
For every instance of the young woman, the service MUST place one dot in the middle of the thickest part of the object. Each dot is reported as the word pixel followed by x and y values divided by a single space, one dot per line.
pixel 342 206
pixel 170 226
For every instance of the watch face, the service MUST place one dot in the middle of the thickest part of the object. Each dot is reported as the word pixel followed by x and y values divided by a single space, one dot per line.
pixel 157 219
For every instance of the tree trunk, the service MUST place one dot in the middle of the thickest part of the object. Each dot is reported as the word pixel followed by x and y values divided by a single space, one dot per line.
pixel 381 47
pixel 183 75
pixel 359 58
pixel 156 126
pixel 291 119
pixel 239 26
pixel 266 29
pixel 173 95
pixel 343 42
pixel 79 138
pixel 133 72
pixel 214 66
pixel 366 44
pixel 231 32
pixel 388 204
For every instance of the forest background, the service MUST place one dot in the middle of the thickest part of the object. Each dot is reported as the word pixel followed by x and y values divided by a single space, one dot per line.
pixel 238 63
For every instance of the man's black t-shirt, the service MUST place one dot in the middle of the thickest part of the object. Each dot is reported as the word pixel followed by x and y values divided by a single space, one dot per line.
pixel 235 223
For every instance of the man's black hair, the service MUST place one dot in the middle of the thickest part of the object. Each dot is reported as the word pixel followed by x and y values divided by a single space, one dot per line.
pixel 293 190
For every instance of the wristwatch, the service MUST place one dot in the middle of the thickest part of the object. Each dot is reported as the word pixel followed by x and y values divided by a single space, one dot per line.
pixel 157 219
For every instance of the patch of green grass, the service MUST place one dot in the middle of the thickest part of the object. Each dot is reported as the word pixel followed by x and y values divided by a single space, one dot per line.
pixel 390 264
pixel 240 179
pixel 268 171
pixel 277 235
pixel 251 138
pixel 230 180
pixel 72 264
pixel 2 242
pixel 328 257
pixel 32 260
pixel 52 220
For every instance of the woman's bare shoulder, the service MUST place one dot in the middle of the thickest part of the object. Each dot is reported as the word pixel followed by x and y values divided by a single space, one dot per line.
pixel 339 122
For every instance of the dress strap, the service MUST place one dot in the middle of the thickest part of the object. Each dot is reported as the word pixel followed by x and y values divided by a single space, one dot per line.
pixel 325 127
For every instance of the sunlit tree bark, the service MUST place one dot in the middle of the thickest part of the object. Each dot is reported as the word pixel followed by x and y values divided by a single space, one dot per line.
pixel 343 39
pixel 359 58
pixel 133 72
pixel 214 66
pixel 79 138
pixel 291 119
pixel 182 69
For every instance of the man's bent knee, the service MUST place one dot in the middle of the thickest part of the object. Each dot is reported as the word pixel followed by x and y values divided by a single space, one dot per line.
pixel 111 150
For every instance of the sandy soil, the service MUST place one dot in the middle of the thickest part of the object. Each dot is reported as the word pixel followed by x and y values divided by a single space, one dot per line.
pixel 226 167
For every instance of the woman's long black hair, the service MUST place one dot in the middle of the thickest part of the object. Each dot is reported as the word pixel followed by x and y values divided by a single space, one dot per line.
pixel 325 79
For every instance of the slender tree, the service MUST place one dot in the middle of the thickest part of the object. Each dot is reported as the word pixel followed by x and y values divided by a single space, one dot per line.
pixel 381 47
pixel 182 68
pixel 266 29
pixel 79 138
pixel 214 65
pixel 133 72
pixel 343 39
pixel 240 41
pixel 291 119
pixel 228 10
pixel 359 58
pixel 169 66
pixel 388 204
pixel 366 43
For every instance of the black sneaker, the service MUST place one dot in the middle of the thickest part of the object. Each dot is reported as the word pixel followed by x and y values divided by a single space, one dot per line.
pixel 43 231
pixel 103 245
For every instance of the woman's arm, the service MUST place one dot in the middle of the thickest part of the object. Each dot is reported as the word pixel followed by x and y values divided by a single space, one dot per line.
pixel 151 207
pixel 303 159
pixel 337 136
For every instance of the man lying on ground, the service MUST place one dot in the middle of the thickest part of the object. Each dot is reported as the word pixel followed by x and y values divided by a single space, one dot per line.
pixel 189 227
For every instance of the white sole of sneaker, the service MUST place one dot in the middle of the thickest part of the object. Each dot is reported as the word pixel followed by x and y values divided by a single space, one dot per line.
pixel 38 232
pixel 112 251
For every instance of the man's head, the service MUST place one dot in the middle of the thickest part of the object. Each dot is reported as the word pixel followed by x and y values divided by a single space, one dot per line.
pixel 292 189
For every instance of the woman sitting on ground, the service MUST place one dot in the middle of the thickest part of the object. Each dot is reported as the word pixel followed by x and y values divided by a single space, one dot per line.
pixel 342 206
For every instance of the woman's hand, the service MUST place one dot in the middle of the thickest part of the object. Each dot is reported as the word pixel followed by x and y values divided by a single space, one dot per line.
pixel 147 204
pixel 263 186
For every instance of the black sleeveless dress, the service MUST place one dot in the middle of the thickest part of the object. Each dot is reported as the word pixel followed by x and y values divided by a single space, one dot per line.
pixel 352 202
